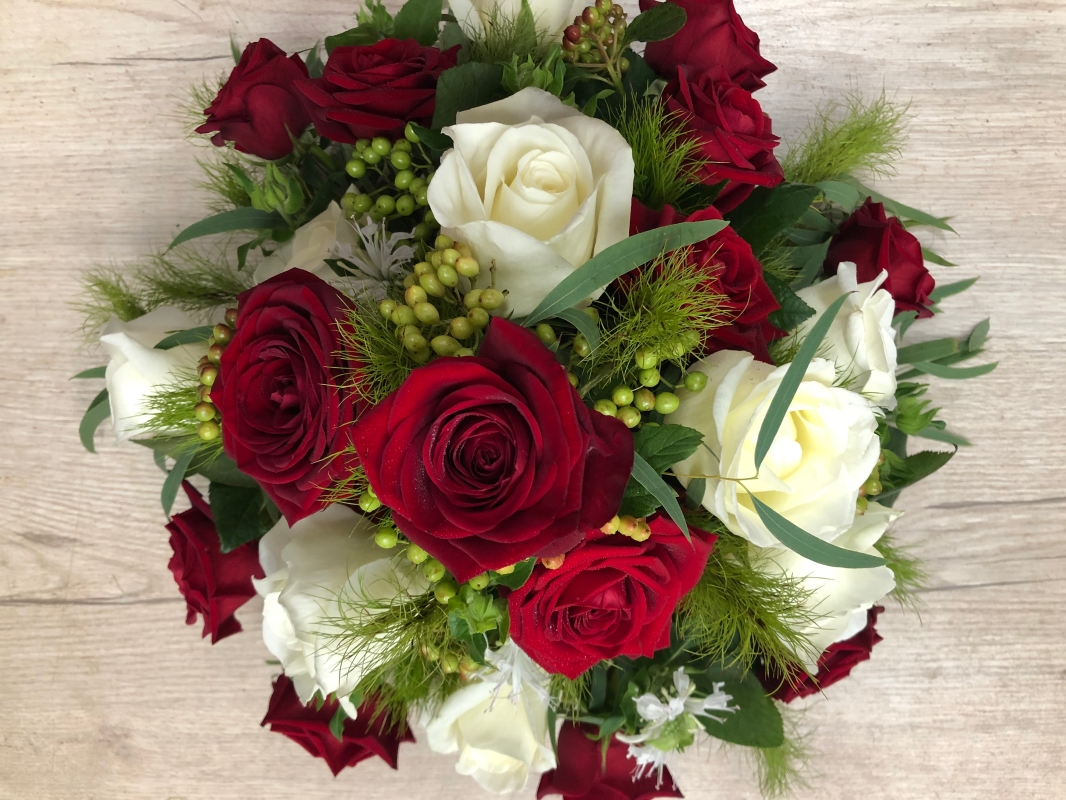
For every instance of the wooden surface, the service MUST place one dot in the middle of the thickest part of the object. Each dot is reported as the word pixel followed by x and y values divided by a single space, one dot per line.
pixel 107 694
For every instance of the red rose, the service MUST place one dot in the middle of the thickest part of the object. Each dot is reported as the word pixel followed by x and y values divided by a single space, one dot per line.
pixel 734 134
pixel 835 664
pixel 283 416
pixel 259 107
pixel 491 459
pixel 732 270
pixel 371 734
pixel 875 242
pixel 611 597
pixel 713 35
pixel 214 584
pixel 376 90
pixel 584 774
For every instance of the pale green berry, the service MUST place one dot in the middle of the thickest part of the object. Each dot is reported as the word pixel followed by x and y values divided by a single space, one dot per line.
pixel 629 416
pixel 606 407
pixel 696 382
pixel 386 538
pixel 546 333
pixel 647 358
pixel 427 313
pixel 649 377
pixel 622 396
pixel 667 403
pixel 444 345
pixel 644 399
pixel 415 554
pixel 414 295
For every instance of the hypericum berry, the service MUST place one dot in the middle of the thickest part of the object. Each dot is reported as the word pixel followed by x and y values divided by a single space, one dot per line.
pixel 399 159
pixel 591 17
pixel 449 256
pixel 426 313
pixel 222 333
pixel 356 168
pixel 208 431
pixel 649 377
pixel 644 399
pixel 371 156
pixel 208 375
pixel 461 328
pixel 361 203
pixel 611 526
pixel 445 345
pixel 409 134
pixel 214 353
pixel 443 242
pixel 572 33
pixel 204 411
pixel 472 299
pixel 361 145
pixel 422 268
pixel 574 380
pixel 667 403
pixel 447 275
pixel 445 591
pixel 628 416
pixel 491 299
pixel 606 407
pixel 414 295
pixel 231 317
pixel 546 333
pixel 627 525
pixel 402 315
pixel 368 502
pixel 431 283
pixel 386 538
pixel 381 145
pixel 467 267
pixel 402 145
pixel 433 570
pixel 478 317
pixel 415 554
pixel 696 382
pixel 582 348
pixel 464 352
pixel 479 582
pixel 505 570
pixel 646 358
pixel 553 562
pixel 405 205
pixel 622 396
pixel 384 205
pixel 413 342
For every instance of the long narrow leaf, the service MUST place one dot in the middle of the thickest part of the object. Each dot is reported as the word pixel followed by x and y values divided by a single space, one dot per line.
pixel 941 435
pixel 927 351
pixel 900 210
pixel 174 479
pixel 617 260
pixel 99 410
pixel 190 336
pixel 653 482
pixel 95 372
pixel 583 322
pixel 811 547
pixel 948 289
pixel 786 390
pixel 953 373
pixel 239 219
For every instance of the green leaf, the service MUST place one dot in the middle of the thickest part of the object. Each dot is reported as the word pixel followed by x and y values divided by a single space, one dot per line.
pixel 807 261
pixel 617 260
pixel 695 492
pixel 842 194
pixel 515 580
pixel 657 23
pixel 235 51
pixel 938 433
pixel 469 86
pixel 434 140
pixel 768 212
pixel 239 219
pixel 476 643
pixel 662 446
pixel 240 514
pixel 953 373
pixel 99 410
pixel 653 482
pixel 904 472
pixel 812 218
pixel 793 310
pixel 584 324
pixel 190 336
pixel 900 210
pixel 174 478
pixel 418 20
pixel 933 258
pixel 755 723
pixel 948 289
pixel 95 372
pixel 314 62
pixel 802 237
pixel 927 351
pixel 811 547
pixel 637 501
pixel 361 35
pixel 904 319
pixel 336 724
pixel 978 335
pixel 589 109
pixel 786 390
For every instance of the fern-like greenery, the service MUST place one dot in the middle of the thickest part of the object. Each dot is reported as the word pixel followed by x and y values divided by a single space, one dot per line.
pixel 665 161
pixel 506 36
pixel 108 293
pixel 572 696
pixel 846 137
pixel 379 363
pixel 911 577
pixel 782 770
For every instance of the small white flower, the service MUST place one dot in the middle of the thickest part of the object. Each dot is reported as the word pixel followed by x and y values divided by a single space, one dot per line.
pixel 382 258
pixel 510 666
pixel 649 759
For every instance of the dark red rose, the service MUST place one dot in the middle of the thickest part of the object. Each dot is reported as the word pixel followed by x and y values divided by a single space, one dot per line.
pixel 714 35
pixel 612 596
pixel 584 774
pixel 835 664
pixel 214 584
pixel 734 135
pixel 283 414
pixel 875 242
pixel 371 734
pixel 259 107
pixel 490 459
pixel 732 270
pixel 376 90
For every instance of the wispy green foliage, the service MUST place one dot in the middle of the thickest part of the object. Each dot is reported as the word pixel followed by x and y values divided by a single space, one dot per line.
pixel 739 610
pixel 665 161
pixel 854 135
pixel 108 293
pixel 782 770
pixel 379 363
pixel 198 97
pixel 506 36
pixel 221 182
pixel 573 696
pixel 190 280
pixel 911 577
pixel 170 414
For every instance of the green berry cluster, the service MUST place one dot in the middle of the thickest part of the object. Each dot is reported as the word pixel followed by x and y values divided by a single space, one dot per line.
pixel 872 487
pixel 207 371
pixel 392 179
pixel 629 405
pixel 596 40
pixel 434 285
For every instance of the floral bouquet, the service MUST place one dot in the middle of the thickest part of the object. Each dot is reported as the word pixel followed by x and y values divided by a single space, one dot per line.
pixel 547 409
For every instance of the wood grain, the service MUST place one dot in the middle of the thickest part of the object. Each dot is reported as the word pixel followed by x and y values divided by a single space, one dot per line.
pixel 107 694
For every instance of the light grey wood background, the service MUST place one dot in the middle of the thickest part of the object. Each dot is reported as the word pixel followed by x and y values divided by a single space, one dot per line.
pixel 105 693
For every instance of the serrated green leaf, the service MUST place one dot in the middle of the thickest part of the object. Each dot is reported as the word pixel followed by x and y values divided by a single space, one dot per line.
pixel 95 372
pixel 584 324
pixel 786 390
pixel 239 219
pixel 418 20
pixel 793 310
pixel 239 514
pixel 948 289
pixel 811 547
pixel 469 86
pixel 336 723
pixel 662 446
pixel 169 493
pixel 617 260
pixel 658 23
pixel 808 262
pixel 903 320
pixel 941 434
pixel 953 373
pixel 190 336
pixel 927 351
pixel 907 471
pixel 653 482
pixel 99 410
pixel 756 721
pixel 768 212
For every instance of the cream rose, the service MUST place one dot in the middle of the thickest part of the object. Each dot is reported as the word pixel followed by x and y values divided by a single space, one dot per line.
pixel 861 341
pixel 498 724
pixel 137 370
pixel 824 451
pixel 308 568
pixel 838 599
pixel 550 16
pixel 536 187
pixel 329 235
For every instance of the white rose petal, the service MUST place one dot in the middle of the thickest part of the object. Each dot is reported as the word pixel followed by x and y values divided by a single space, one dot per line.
pixel 536 187
pixel 329 235
pixel 839 598
pixel 550 16
pixel 501 738
pixel 137 370
pixel 308 567
pixel 861 341
pixel 824 451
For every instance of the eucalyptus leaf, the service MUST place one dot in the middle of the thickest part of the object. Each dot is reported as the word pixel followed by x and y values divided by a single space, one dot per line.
pixel 190 336
pixel 978 335
pixel 95 372
pixel 239 219
pixel 953 373
pixel 174 478
pixel 948 289
pixel 336 723
pixel 811 547
pixel 927 351
pixel 99 410
pixel 653 482
pixel 842 194
pixel 934 258
pixel 695 492
pixel 584 324
pixel 898 209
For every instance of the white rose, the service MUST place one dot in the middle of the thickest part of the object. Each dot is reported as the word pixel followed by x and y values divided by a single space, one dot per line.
pixel 838 598
pixel 308 567
pixel 498 728
pixel 329 235
pixel 535 186
pixel 551 16
pixel 861 341
pixel 137 370
pixel 824 451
